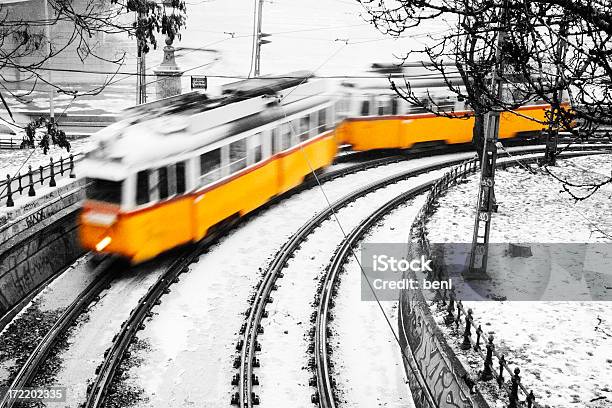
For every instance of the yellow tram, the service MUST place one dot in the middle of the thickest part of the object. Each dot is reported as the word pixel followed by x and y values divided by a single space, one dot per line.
pixel 173 169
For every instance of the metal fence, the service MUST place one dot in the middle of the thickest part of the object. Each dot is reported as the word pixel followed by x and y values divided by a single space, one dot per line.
pixel 494 364
pixel 29 181
pixel 10 143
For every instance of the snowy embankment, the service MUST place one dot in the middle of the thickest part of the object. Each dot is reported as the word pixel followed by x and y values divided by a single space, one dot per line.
pixel 189 344
pixel 18 160
pixel 563 348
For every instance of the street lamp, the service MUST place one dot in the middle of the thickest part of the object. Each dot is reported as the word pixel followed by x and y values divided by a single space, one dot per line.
pixel 168 72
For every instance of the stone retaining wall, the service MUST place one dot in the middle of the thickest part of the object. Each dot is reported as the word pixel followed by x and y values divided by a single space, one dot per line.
pixel 38 241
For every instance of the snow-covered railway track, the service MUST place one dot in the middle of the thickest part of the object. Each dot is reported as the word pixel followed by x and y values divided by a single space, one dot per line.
pixel 248 345
pixel 99 388
pixel 325 395
pixel 97 391
pixel 109 268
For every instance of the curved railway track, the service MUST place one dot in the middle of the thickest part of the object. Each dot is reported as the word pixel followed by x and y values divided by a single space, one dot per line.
pixel 248 346
pixel 106 272
pixel 325 396
pixel 109 268
pixel 98 389
pixel 325 384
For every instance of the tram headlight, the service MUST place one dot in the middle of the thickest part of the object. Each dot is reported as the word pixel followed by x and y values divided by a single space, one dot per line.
pixel 103 244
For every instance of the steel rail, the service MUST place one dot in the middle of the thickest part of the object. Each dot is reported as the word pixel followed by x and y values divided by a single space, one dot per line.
pixel 107 270
pixel 97 391
pixel 248 344
pixel 325 385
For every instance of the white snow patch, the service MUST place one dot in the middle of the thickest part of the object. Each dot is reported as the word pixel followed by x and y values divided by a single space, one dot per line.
pixel 564 349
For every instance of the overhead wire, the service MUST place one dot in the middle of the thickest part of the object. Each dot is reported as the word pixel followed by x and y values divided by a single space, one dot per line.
pixel 335 215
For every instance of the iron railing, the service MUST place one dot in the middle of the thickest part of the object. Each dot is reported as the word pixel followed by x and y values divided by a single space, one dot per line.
pixel 28 182
pixel 455 309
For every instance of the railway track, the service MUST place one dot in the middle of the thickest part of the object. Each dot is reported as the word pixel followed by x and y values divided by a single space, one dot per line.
pixel 248 345
pixel 325 396
pixel 110 268
pixel 98 389
pixel 107 270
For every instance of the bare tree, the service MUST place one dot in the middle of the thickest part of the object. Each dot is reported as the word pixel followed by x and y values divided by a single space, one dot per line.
pixel 557 52
pixel 24 47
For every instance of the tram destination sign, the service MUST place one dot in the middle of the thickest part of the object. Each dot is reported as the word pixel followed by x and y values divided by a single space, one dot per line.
pixel 199 82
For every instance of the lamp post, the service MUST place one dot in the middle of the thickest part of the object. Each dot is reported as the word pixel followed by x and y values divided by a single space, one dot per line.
pixel 49 72
pixel 168 72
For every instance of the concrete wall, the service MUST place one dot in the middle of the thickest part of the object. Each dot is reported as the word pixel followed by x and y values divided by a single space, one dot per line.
pixel 38 241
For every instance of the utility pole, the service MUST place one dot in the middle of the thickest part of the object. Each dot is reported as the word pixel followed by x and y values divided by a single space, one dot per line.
pixel 141 68
pixel 552 134
pixel 49 72
pixel 259 39
pixel 486 196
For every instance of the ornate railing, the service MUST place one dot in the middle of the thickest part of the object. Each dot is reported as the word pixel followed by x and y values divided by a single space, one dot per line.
pixel 28 182
pixel 494 363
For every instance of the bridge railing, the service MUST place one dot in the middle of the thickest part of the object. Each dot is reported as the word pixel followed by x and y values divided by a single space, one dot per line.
pixel 34 178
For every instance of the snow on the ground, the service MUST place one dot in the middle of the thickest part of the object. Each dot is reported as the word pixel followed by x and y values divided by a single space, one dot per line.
pixel 193 334
pixel 367 360
pixel 18 160
pixel 95 329
pixel 53 299
pixel 563 348
pixel 284 371
pixel 531 209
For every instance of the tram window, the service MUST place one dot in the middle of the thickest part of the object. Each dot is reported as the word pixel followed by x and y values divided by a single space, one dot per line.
pixel 276 140
pixel 162 182
pixel 394 105
pixel 381 109
pixel 313 123
pixel 104 190
pixel 365 108
pixel 322 121
pixel 180 177
pixel 304 128
pixel 255 148
pixel 286 136
pixel 237 151
pixel 210 165
pixel 142 187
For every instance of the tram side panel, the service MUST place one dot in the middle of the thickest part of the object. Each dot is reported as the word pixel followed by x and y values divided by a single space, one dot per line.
pixel 370 133
pixel 239 195
pixel 428 128
pixel 404 132
pixel 295 164
pixel 527 119
pixel 153 230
